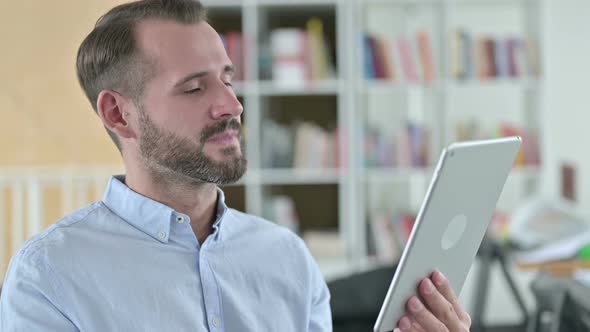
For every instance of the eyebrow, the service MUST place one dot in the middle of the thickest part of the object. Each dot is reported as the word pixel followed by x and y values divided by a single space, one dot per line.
pixel 231 69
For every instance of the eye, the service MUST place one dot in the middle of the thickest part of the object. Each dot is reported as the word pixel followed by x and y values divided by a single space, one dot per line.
pixel 195 90
pixel 228 84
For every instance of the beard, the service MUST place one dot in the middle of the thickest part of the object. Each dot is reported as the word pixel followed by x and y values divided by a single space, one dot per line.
pixel 183 159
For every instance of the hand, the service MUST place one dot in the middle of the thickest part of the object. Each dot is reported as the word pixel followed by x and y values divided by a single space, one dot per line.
pixel 441 311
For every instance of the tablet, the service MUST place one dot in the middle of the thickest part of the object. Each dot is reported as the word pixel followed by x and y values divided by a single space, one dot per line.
pixel 452 220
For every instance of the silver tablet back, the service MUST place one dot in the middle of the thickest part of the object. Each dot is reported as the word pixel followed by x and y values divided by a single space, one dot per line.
pixel 452 221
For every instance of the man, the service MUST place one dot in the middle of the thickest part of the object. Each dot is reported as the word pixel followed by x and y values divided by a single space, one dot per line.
pixel 161 251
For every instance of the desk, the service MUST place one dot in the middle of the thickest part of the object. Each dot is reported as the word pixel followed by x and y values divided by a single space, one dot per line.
pixel 558 269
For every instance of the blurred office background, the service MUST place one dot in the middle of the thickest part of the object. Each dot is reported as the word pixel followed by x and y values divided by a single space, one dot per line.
pixel 347 107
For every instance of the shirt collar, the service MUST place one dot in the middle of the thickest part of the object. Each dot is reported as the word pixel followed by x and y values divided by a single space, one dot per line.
pixel 147 215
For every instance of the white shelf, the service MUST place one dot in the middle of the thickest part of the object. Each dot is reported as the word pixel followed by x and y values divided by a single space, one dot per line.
pixel 275 3
pixel 378 174
pixel 489 2
pixel 297 176
pixel 403 2
pixel 225 4
pixel 447 2
pixel 387 86
pixel 500 83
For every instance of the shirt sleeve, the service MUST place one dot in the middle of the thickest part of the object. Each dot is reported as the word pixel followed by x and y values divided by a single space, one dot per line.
pixel 29 298
pixel 321 314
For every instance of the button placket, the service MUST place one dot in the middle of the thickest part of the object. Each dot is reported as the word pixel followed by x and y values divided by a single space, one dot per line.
pixel 210 292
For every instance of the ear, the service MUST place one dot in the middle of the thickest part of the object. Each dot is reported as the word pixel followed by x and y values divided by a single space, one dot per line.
pixel 113 109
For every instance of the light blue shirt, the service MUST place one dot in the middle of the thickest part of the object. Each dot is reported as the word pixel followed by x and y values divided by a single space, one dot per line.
pixel 128 263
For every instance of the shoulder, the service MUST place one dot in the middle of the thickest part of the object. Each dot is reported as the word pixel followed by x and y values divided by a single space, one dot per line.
pixel 61 235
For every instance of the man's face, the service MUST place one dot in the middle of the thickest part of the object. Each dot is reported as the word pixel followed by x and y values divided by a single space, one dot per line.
pixel 189 116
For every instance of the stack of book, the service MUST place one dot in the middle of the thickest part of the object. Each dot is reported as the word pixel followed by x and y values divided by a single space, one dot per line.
pixel 485 57
pixel 303 145
pixel 405 148
pixel 300 55
pixel 402 59
pixel 529 154
pixel 388 235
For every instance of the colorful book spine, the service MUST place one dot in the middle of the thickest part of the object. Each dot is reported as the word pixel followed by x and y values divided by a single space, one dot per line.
pixel 407 59
pixel 484 57
pixel 426 56
pixel 235 50
pixel 317 49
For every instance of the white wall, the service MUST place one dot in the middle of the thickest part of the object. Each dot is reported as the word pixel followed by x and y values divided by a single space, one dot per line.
pixel 567 104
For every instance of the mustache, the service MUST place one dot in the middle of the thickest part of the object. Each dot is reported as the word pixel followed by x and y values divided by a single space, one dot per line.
pixel 220 127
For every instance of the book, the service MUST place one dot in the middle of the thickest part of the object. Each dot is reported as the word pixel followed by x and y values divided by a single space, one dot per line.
pixel 467 55
pixel 300 145
pixel 277 145
pixel 377 61
pixel 426 56
pixel 512 45
pixel 377 58
pixel 288 50
pixel 235 50
pixel 490 57
pixel 387 249
pixel 501 59
pixel 318 55
pixel 456 54
pixel 407 147
pixel 368 66
pixel 529 153
pixel 485 57
pixel 407 59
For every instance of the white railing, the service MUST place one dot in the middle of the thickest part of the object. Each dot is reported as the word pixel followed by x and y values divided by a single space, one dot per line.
pixel 24 196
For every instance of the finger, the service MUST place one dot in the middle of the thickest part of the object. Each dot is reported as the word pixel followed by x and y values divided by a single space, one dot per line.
pixel 417 327
pixel 438 305
pixel 423 316
pixel 405 324
pixel 443 286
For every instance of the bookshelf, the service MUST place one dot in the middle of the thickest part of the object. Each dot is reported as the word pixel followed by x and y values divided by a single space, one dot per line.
pixel 340 108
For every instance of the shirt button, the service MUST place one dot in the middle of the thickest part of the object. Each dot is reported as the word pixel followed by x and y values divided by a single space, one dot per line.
pixel 180 219
pixel 215 321
pixel 162 235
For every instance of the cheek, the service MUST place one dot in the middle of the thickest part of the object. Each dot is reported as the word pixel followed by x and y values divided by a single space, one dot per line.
pixel 178 116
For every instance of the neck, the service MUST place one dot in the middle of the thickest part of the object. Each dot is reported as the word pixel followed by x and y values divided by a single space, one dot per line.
pixel 196 200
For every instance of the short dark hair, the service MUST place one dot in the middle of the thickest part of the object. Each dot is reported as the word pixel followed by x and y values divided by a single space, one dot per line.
pixel 108 58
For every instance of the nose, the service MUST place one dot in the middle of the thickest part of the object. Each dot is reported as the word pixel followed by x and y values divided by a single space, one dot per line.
pixel 226 104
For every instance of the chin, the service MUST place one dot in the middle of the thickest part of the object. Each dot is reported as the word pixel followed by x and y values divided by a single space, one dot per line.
pixel 225 154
